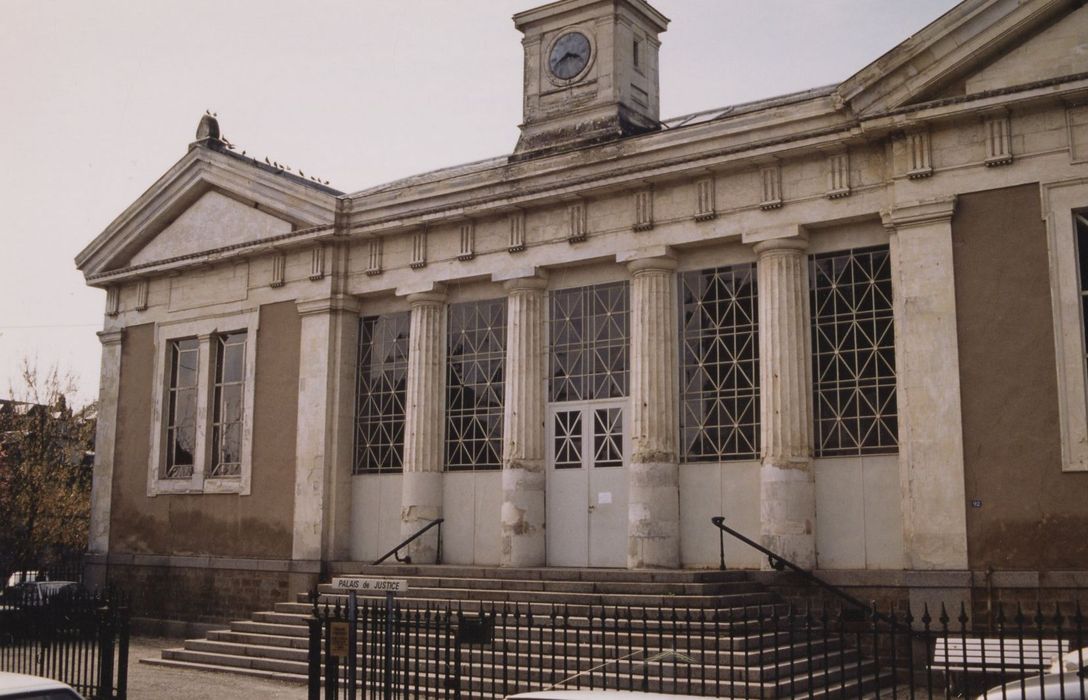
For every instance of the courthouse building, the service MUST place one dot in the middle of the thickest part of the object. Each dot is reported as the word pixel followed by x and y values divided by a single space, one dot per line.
pixel 851 320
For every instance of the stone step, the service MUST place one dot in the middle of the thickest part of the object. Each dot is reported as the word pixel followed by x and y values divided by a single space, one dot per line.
pixel 254 673
pixel 270 640
pixel 633 600
pixel 622 674
pixel 452 571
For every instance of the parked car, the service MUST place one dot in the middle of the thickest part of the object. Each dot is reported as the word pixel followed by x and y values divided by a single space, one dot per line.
pixel 41 592
pixel 1066 678
pixel 598 695
pixel 22 687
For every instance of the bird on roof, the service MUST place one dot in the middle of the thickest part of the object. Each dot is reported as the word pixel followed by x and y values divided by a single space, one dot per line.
pixel 302 174
pixel 267 161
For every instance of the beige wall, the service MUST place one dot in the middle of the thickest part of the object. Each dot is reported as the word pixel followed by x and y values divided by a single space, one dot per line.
pixel 258 525
pixel 1033 515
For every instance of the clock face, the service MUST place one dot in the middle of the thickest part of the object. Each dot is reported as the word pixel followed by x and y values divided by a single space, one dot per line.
pixel 569 56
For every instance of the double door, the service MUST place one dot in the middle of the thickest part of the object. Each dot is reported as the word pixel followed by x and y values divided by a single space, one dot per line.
pixel 587 483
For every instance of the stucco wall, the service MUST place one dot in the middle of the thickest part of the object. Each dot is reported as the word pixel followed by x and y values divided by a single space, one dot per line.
pixel 258 525
pixel 1032 515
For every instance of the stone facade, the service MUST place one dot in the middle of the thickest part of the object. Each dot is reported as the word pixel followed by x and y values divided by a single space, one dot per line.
pixel 897 296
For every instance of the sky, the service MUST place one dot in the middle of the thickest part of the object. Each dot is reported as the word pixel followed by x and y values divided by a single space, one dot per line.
pixel 101 97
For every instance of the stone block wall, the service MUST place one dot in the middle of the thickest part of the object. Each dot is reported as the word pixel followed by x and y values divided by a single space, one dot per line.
pixel 199 594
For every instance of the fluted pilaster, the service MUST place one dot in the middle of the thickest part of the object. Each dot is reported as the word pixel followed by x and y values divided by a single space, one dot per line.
pixel 787 487
pixel 424 422
pixel 653 524
pixel 523 505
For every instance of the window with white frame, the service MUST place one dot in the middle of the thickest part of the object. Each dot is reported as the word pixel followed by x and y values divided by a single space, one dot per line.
pixel 1063 208
pixel 719 364
pixel 202 410
pixel 475 366
pixel 382 384
pixel 853 353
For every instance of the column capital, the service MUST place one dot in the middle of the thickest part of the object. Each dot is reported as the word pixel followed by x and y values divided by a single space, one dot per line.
pixel 529 283
pixel 436 296
pixel 793 243
pixel 658 263
pixel 111 337
pixel 337 302
pixel 920 213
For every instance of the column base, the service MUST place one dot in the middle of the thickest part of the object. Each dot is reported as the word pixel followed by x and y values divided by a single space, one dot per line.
pixel 421 503
pixel 653 515
pixel 523 514
pixel 787 512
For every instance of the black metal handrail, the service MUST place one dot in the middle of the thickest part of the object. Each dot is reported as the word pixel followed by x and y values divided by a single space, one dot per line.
pixel 778 563
pixel 437 522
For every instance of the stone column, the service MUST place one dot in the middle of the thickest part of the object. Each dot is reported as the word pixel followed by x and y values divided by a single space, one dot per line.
pixel 326 389
pixel 98 540
pixel 523 511
pixel 424 423
pixel 787 489
pixel 931 471
pixel 653 482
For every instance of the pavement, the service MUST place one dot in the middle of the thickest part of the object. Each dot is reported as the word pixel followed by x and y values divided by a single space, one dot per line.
pixel 146 682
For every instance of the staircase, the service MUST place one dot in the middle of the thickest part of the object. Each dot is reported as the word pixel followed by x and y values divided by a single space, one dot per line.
pixel 721 623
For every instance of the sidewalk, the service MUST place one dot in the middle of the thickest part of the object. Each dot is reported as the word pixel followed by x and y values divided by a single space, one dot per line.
pixel 146 682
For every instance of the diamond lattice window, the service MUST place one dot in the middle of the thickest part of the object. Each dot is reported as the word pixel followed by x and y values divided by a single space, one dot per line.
pixel 719 364
pixel 853 353
pixel 590 332
pixel 382 380
pixel 476 362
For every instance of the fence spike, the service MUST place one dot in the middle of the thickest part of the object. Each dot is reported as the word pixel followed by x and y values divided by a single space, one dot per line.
pixel 963 615
pixel 944 618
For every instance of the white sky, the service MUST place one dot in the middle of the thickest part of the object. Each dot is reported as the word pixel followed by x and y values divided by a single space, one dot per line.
pixel 100 98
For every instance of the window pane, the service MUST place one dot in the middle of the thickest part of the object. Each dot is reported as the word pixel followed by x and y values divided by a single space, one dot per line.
pixel 568 439
pixel 853 358
pixel 608 437
pixel 380 393
pixel 232 357
pixel 589 337
pixel 475 362
pixel 719 364
pixel 184 362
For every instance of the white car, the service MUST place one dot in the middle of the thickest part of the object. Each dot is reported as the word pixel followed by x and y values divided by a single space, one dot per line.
pixel 599 695
pixel 1066 678
pixel 21 687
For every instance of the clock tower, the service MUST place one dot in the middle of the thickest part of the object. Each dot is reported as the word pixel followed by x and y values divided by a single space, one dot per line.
pixel 590 73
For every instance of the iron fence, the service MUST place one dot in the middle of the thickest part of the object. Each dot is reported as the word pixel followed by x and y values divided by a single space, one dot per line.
pixel 80 639
pixel 763 651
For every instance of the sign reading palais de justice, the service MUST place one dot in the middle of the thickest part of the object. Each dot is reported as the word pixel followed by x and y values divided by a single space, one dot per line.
pixel 370 585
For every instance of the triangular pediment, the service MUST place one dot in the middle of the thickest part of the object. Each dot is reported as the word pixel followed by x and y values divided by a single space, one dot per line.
pixel 213 221
pixel 1060 49
pixel 210 201
pixel 976 47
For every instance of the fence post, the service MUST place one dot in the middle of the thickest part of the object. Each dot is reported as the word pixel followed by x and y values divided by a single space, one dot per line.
pixel 314 658
pixel 105 654
pixel 122 651
pixel 352 660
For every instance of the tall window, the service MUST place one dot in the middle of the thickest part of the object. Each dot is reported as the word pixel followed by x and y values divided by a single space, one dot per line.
pixel 719 364
pixel 1082 258
pixel 853 353
pixel 382 380
pixel 181 409
pixel 475 363
pixel 230 379
pixel 590 334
